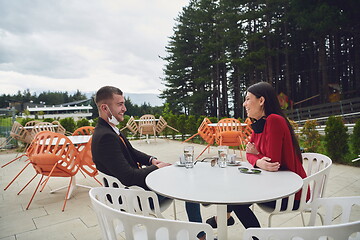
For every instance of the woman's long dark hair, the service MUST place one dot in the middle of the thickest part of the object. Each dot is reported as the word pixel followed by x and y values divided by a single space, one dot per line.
pixel 272 105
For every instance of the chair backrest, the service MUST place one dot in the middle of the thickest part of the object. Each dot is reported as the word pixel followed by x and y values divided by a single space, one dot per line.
pixel 314 184
pixel 228 124
pixel 147 124
pixel 334 209
pixel 17 131
pixel 339 231
pixel 51 148
pixel 246 133
pixel 86 130
pixel 59 128
pixel 206 132
pixel 137 227
pixel 86 162
pixel 147 119
pixel 132 126
pixel 161 125
pixel 113 182
pixel 317 171
pixel 31 123
pixel 39 127
pixel 137 201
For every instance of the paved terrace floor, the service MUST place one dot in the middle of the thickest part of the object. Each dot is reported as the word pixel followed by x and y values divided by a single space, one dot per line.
pixel 45 220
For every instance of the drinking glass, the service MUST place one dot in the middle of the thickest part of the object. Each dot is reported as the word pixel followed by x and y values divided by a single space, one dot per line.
pixel 222 151
pixel 189 156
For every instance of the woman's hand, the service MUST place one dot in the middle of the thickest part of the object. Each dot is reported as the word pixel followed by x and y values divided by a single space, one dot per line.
pixel 266 164
pixel 250 148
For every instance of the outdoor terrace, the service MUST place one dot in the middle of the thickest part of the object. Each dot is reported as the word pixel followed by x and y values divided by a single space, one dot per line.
pixel 45 220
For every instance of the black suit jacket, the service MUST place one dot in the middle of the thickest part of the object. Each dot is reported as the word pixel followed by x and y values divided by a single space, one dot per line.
pixel 111 156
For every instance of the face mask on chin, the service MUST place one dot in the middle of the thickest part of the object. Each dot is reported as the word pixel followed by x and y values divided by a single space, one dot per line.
pixel 112 119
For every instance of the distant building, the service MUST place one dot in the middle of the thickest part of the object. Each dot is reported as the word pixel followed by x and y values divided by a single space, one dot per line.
pixel 72 109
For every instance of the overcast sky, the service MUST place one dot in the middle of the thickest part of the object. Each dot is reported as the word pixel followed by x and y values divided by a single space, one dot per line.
pixel 64 45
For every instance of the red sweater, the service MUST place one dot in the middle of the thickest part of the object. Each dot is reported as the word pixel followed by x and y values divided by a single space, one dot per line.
pixel 275 142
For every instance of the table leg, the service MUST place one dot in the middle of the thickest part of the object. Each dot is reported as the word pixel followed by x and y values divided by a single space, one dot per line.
pixel 72 187
pixel 222 221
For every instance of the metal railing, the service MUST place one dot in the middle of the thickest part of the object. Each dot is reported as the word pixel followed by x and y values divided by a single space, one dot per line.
pixel 348 109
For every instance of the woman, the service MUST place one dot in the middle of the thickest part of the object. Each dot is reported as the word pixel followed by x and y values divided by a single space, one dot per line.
pixel 273 145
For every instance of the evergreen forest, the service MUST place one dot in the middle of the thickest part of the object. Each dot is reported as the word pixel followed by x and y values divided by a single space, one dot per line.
pixel 307 49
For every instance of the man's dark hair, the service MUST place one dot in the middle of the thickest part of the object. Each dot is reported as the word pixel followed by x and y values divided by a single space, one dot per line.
pixel 106 93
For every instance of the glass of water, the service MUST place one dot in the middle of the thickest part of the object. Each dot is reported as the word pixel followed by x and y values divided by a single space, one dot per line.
pixel 189 156
pixel 223 152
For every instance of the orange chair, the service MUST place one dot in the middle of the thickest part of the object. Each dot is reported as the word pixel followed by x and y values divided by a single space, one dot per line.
pixel 228 132
pixel 246 133
pixel 85 161
pixel 28 153
pixel 53 155
pixel 86 130
pixel 206 132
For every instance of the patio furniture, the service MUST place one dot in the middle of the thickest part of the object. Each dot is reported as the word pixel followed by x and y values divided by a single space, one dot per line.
pixel 54 155
pixel 131 125
pixel 17 132
pixel 147 125
pixel 86 130
pixel 333 229
pixel 134 218
pixel 86 162
pixel 206 132
pixel 60 128
pixel 28 133
pixel 228 133
pixel 246 133
pixel 28 153
pixel 162 124
pixel 222 186
pixel 113 182
pixel 317 171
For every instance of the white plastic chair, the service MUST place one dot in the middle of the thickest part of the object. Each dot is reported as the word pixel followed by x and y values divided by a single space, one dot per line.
pixel 332 228
pixel 118 218
pixel 113 182
pixel 317 170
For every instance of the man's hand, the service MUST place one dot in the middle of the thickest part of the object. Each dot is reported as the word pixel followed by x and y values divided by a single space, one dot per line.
pixel 266 164
pixel 162 164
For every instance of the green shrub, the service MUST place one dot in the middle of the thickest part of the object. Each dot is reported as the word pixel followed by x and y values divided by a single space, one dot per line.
pixel 82 123
pixel 69 124
pixel 181 124
pixel 311 137
pixel 336 139
pixel 355 139
pixel 191 125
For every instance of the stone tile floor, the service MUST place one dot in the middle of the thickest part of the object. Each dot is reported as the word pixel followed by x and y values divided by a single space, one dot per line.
pixel 45 220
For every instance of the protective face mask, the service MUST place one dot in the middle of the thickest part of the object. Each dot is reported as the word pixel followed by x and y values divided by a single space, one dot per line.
pixel 112 120
pixel 258 126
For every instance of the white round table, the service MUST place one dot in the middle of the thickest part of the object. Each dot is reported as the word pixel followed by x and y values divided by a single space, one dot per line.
pixel 222 186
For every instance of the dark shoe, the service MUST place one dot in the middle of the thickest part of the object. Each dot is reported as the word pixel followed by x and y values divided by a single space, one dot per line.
pixel 212 222
pixel 201 235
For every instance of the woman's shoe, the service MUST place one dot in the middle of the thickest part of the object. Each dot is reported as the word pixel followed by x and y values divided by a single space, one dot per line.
pixel 212 221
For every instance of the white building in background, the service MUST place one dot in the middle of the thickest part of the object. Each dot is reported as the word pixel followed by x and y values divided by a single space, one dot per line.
pixel 60 111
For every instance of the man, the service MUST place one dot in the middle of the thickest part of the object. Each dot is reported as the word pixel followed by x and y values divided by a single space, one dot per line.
pixel 113 153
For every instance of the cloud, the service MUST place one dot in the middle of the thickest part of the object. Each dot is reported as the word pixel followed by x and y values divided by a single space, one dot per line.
pixel 84 44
